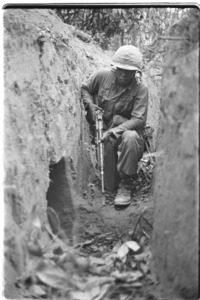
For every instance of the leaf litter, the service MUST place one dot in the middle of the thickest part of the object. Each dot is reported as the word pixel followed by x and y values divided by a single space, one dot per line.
pixel 104 267
pixel 118 269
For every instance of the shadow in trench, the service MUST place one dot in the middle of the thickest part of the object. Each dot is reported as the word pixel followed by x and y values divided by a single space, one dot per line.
pixel 60 210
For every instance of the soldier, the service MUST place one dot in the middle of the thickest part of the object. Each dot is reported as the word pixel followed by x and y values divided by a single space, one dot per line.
pixel 123 97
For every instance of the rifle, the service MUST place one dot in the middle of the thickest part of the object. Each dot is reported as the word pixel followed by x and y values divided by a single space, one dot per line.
pixel 99 148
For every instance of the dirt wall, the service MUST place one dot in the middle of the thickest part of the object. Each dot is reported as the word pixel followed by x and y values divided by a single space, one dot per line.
pixel 175 237
pixel 44 126
pixel 47 151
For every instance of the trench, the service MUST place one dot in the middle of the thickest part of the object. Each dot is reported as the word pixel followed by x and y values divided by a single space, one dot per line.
pixel 94 229
pixel 83 216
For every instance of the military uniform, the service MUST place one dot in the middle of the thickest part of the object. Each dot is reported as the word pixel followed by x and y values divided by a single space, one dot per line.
pixel 125 110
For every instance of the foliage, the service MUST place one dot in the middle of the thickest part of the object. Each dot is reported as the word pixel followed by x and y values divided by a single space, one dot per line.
pixel 113 27
pixel 102 20
pixel 105 267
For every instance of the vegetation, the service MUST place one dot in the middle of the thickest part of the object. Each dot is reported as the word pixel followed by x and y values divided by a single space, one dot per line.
pixel 113 27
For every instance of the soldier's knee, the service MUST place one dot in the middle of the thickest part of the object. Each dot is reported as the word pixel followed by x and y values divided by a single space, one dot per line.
pixel 129 136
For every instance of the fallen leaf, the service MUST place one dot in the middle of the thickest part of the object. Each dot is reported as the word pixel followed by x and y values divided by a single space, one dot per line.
pixel 130 232
pixel 101 248
pixel 88 242
pixel 52 275
pixel 37 290
pixel 36 222
pixel 82 262
pixel 136 284
pixel 127 276
pixel 130 285
pixel 134 246
pixel 123 251
pixel 117 246
pixel 123 296
pixel 96 260
pixel 142 256
pixel 144 267
pixel 142 240
pixel 34 217
pixel 77 295
pixel 133 264
pixel 109 260
pixel 80 284
pixel 103 292
pixel 94 248
pixel 136 275
pixel 34 248
pixel 95 291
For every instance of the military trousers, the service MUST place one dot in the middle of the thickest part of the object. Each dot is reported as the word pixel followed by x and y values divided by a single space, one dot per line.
pixel 121 156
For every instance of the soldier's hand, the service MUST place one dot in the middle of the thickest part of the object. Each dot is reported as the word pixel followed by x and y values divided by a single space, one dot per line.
pixel 92 109
pixel 107 135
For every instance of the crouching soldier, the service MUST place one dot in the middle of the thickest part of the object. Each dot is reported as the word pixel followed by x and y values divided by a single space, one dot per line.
pixel 123 97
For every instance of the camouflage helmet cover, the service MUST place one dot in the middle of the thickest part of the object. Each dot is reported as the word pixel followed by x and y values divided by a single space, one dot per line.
pixel 128 57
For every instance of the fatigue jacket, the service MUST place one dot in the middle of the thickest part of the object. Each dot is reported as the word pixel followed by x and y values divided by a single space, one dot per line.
pixel 130 102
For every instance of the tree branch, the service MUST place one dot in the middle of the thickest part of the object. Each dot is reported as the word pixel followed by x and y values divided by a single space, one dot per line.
pixel 170 38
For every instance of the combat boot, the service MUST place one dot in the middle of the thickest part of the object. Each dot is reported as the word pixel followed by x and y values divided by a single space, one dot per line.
pixel 125 190
pixel 123 197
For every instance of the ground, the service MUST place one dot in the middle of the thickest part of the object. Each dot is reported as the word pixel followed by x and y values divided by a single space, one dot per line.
pixel 105 226
pixel 109 258
pixel 42 115
pixel 98 218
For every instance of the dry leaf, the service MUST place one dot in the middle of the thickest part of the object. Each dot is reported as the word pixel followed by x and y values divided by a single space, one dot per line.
pixel 34 217
pixel 127 276
pixel 97 281
pixel 117 246
pixel 136 284
pixel 144 267
pixel 103 292
pixel 123 251
pixel 133 264
pixel 77 295
pixel 95 291
pixel 80 284
pixel 109 260
pixel 34 248
pixel 136 275
pixel 37 290
pixel 123 296
pixel 82 262
pixel 36 222
pixel 96 260
pixel 88 242
pixel 52 275
pixel 142 256
pixel 133 246
pixel 94 248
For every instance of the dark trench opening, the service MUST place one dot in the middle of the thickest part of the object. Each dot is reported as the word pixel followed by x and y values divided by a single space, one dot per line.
pixel 60 209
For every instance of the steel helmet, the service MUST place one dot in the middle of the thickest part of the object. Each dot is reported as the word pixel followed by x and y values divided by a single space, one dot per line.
pixel 128 57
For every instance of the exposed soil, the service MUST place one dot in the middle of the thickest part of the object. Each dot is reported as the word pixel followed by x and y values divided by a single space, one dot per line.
pixel 100 227
pixel 98 230
pixel 97 219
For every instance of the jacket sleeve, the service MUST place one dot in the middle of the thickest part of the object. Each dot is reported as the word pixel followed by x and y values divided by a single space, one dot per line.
pixel 91 87
pixel 138 115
